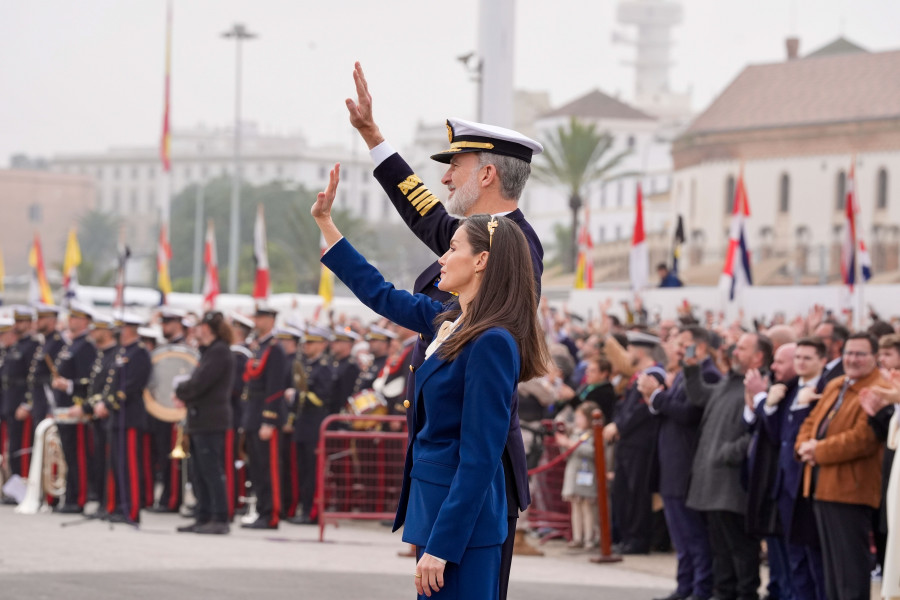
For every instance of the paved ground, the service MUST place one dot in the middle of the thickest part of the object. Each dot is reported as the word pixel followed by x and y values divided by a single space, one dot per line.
pixel 88 560
pixel 49 556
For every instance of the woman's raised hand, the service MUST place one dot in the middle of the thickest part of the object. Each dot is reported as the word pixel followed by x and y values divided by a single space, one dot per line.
pixel 321 209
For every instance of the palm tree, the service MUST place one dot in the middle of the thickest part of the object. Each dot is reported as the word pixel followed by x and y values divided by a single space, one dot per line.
pixel 573 158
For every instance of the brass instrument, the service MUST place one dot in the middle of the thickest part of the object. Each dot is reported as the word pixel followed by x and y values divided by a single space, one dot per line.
pixel 172 364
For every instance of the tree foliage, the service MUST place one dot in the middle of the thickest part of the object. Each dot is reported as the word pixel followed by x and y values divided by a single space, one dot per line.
pixel 573 158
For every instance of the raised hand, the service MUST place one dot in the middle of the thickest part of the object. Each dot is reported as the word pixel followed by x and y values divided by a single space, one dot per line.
pixel 321 208
pixel 361 111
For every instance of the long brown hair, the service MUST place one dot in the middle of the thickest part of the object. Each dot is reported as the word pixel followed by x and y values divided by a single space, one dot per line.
pixel 219 327
pixel 506 297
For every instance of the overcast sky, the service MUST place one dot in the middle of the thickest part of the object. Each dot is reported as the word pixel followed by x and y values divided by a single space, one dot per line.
pixel 88 74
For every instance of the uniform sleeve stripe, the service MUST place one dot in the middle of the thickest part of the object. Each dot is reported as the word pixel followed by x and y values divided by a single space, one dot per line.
pixel 418 193
pixel 424 210
pixel 418 204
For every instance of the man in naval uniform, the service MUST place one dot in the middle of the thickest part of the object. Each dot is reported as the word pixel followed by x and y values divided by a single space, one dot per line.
pixel 7 340
pixel 235 477
pixel 128 421
pixel 39 371
pixel 162 433
pixel 100 392
pixel 488 169
pixel 264 416
pixel 314 399
pixel 19 422
pixel 70 388
pixel 289 338
pixel 379 340
pixel 345 369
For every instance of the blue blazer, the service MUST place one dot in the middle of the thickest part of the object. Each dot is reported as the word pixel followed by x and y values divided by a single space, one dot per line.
pixel 781 428
pixel 679 430
pixel 453 495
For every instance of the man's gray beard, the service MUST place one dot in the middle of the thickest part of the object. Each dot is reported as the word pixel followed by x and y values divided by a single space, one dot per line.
pixel 464 198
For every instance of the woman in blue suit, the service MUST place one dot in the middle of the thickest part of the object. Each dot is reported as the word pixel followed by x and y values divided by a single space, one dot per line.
pixel 453 499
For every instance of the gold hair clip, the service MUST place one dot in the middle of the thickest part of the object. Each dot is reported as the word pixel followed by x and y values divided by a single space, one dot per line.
pixel 492 225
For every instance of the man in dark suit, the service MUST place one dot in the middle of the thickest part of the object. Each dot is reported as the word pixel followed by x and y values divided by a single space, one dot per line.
pixel 834 335
pixel 679 425
pixel 780 415
pixel 19 422
pixel 761 466
pixel 488 169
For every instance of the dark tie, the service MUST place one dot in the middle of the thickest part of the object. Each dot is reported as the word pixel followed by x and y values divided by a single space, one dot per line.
pixel 823 426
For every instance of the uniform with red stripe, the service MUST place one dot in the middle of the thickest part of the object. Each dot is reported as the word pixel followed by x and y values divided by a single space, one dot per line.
pixel 265 376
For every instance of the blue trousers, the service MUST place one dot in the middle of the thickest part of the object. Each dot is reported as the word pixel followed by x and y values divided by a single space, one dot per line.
pixel 476 576
pixel 807 572
pixel 780 587
pixel 687 529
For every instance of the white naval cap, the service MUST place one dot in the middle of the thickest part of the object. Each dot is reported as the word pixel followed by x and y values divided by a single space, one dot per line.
pixel 78 309
pixel 6 324
pixel 639 338
pixel 242 320
pixel 468 136
pixel 24 313
pixel 151 333
pixel 47 310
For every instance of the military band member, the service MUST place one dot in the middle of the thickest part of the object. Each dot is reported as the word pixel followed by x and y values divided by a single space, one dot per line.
pixel 379 340
pixel 236 477
pixel 391 381
pixel 19 423
pixel 264 416
pixel 289 338
pixel 39 371
pixel 313 401
pixel 162 433
pixel 70 388
pixel 7 340
pixel 100 392
pixel 128 421
pixel 345 369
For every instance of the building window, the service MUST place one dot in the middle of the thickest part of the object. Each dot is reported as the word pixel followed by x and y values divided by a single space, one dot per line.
pixel 603 197
pixel 601 235
pixel 729 195
pixel 34 213
pixel 363 175
pixel 204 171
pixel 618 232
pixel 134 202
pixel 100 173
pixel 385 207
pixel 364 205
pixel 323 172
pixel 882 188
pixel 840 189
pixel 620 194
pixel 150 172
pixel 279 171
pixel 261 170
pixel 187 173
pixel 115 172
pixel 115 203
pixel 784 203
pixel 630 142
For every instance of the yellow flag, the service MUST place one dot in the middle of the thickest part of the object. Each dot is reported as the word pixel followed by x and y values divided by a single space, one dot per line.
pixel 71 260
pixel 326 286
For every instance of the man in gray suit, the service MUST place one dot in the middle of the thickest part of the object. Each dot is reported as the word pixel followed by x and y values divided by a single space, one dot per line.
pixel 716 479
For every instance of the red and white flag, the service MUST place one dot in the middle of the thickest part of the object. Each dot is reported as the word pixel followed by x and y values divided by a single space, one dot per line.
pixel 261 256
pixel 211 281
pixel 639 261
pixel 736 273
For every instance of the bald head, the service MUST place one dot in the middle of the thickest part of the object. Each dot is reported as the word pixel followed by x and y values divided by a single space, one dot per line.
pixel 783 364
pixel 780 335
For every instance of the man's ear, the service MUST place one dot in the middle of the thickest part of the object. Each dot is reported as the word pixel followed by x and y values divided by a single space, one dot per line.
pixel 488 175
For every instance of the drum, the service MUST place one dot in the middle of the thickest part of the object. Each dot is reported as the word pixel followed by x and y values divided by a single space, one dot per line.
pixel 172 364
pixel 366 403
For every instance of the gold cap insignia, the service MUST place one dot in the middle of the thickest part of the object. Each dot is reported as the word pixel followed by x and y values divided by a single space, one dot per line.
pixel 449 132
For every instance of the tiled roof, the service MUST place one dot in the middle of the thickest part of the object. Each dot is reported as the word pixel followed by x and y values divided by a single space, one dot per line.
pixel 827 88
pixel 597 105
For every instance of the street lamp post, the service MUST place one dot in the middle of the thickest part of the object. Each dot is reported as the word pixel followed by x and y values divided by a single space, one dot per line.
pixel 239 33
pixel 474 66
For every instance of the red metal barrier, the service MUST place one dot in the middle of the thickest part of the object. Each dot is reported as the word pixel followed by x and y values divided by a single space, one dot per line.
pixel 359 473
pixel 549 514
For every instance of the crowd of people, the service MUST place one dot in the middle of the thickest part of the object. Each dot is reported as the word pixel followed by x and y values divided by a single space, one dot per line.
pixel 760 440
pixel 256 391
